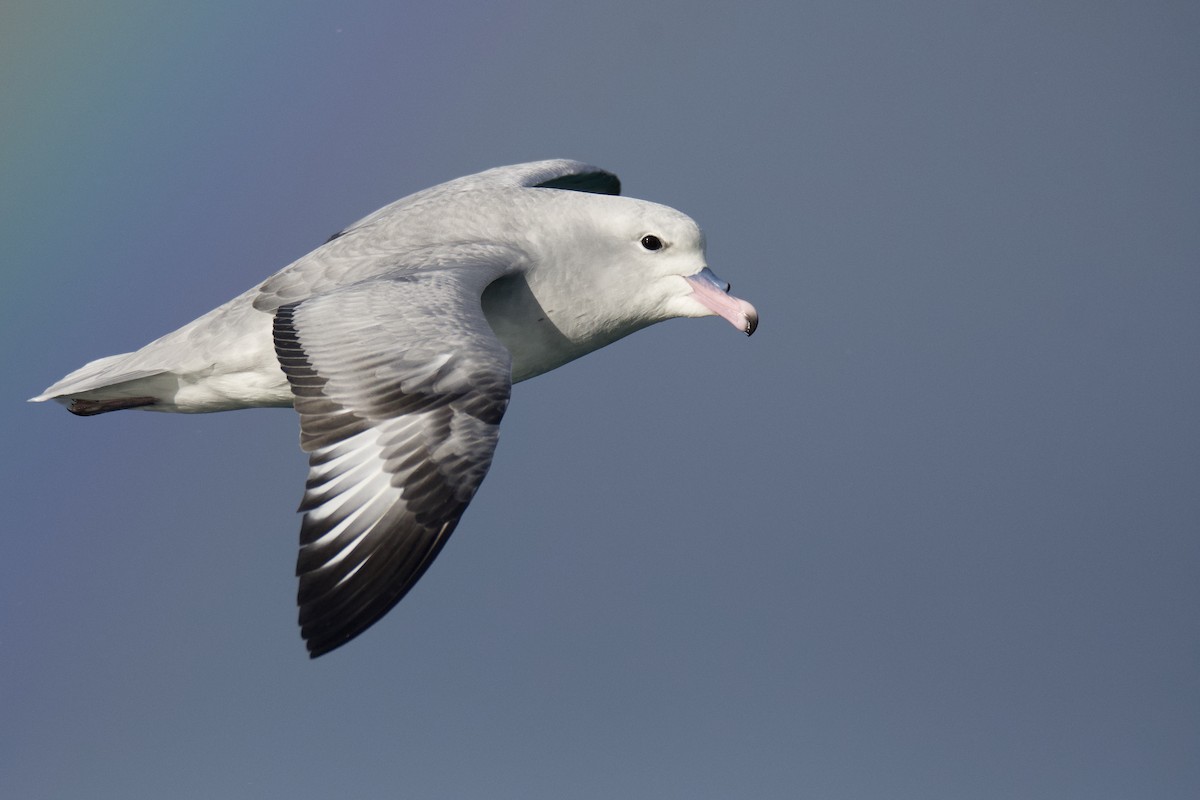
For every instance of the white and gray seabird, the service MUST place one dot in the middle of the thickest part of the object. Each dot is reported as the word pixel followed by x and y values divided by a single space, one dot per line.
pixel 397 342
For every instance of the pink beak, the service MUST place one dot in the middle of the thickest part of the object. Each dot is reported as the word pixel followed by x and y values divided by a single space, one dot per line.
pixel 713 293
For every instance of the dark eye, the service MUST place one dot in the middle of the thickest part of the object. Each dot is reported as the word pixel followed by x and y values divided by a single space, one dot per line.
pixel 652 242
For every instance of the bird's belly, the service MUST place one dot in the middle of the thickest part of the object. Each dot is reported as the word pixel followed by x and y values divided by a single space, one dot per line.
pixel 232 390
pixel 229 363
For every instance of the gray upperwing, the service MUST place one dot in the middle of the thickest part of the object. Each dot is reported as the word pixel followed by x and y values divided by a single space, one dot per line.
pixel 400 385
pixel 410 229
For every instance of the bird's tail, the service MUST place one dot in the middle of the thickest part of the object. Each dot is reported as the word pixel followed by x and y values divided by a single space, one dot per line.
pixel 105 384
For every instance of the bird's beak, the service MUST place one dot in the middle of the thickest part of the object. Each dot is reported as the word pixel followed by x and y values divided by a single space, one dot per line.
pixel 713 294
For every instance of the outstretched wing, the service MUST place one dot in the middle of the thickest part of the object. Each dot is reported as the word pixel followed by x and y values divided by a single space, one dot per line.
pixel 391 239
pixel 555 173
pixel 400 385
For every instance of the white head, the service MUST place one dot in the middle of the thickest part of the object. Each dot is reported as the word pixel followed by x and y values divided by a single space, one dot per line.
pixel 636 262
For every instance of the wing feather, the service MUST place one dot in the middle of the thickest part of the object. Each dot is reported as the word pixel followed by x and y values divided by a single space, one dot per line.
pixel 400 386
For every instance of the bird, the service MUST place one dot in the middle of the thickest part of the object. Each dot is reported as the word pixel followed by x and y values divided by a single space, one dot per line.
pixel 397 342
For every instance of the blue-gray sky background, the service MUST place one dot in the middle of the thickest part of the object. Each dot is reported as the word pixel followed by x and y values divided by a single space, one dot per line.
pixel 931 532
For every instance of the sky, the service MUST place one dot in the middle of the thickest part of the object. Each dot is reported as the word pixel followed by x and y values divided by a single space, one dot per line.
pixel 931 532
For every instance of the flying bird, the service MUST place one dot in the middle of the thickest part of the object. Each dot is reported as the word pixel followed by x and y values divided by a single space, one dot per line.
pixel 398 341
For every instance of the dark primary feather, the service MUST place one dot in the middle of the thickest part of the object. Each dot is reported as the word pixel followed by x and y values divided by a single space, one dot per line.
pixel 400 386
pixel 596 182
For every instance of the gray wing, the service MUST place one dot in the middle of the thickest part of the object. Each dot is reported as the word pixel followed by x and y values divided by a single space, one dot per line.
pixel 572 175
pixel 400 385
pixel 424 228
pixel 555 173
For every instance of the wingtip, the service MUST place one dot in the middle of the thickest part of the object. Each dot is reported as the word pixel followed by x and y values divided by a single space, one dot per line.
pixel 319 646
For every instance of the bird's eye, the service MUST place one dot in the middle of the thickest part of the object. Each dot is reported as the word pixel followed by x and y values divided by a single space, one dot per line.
pixel 652 242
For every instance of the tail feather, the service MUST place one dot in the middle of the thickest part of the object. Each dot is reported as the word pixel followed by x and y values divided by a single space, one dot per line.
pixel 100 374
